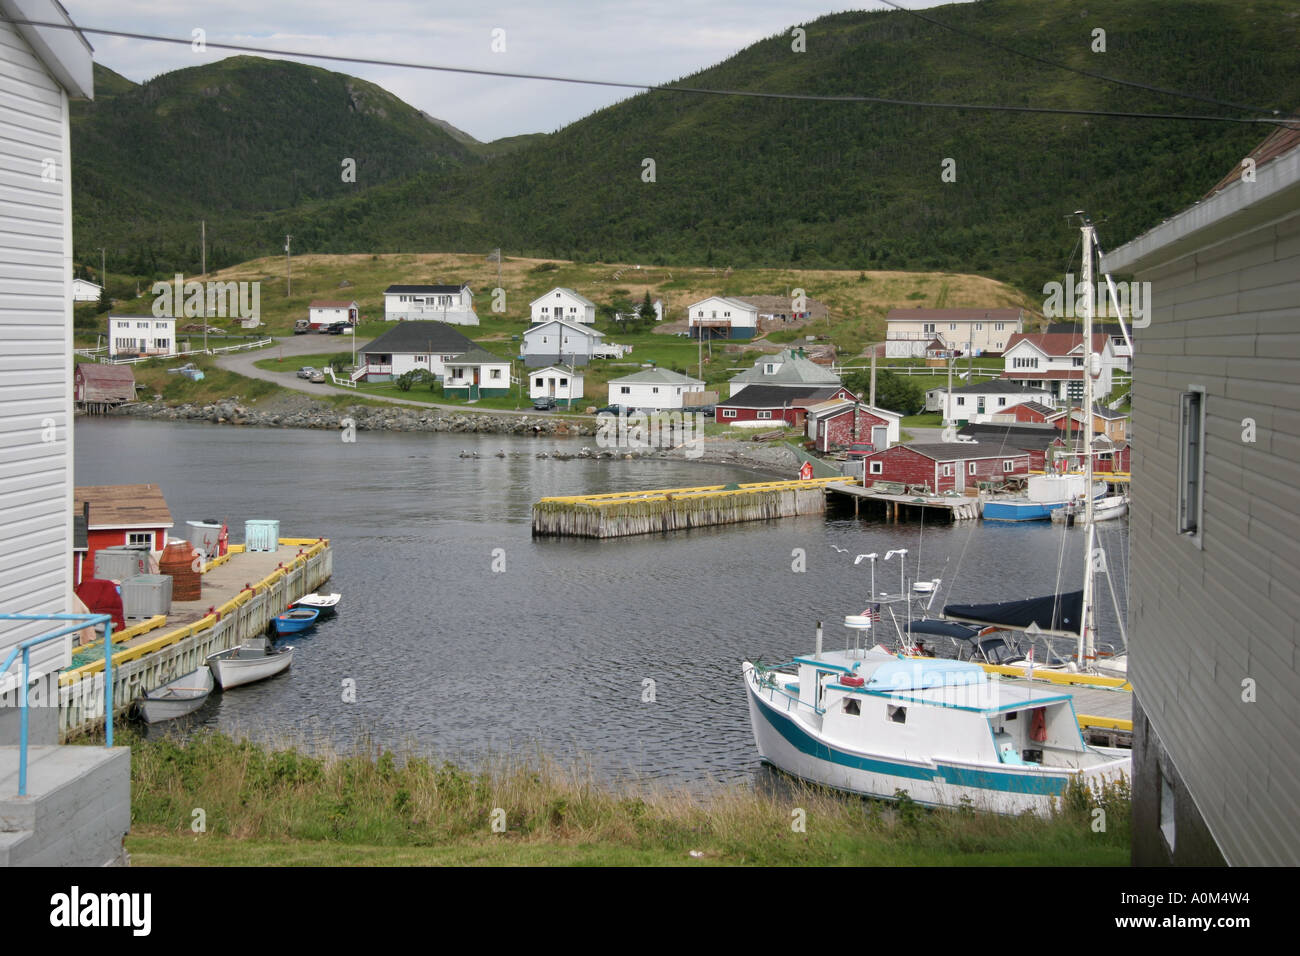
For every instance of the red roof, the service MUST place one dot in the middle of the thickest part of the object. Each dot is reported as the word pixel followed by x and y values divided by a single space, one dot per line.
pixel 1281 140
pixel 1057 343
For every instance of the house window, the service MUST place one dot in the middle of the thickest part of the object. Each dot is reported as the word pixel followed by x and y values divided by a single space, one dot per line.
pixel 1008 466
pixel 877 467
pixel 928 328
pixel 970 468
pixel 540 383
pixel 625 389
pixel 947 471
pixel 765 414
pixel 422 358
pixel 979 326
pixel 961 400
pixel 564 383
pixel 728 413
pixel 952 326
pixel 998 326
pixel 769 369
pixel 1191 463
pixel 654 390
pixel 139 537
pixel 1002 401
pixel 495 373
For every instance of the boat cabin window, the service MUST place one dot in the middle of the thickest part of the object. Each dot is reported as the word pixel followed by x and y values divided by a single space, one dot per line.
pixel 897 714
pixel 852 707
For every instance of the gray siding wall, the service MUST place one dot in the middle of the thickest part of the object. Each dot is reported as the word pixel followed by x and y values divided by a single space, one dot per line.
pixel 35 348
pixel 1205 620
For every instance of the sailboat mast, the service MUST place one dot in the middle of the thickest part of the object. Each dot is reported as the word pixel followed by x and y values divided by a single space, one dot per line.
pixel 1086 633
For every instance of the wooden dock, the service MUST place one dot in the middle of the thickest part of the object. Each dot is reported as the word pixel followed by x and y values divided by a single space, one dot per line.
pixel 241 592
pixel 893 507
pixel 672 509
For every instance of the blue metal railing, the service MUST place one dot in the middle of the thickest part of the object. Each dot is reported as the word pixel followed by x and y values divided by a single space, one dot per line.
pixel 83 620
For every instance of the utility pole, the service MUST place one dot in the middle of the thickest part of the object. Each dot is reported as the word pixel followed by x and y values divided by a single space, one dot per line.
pixel 103 282
pixel 288 279
pixel 203 245
pixel 871 399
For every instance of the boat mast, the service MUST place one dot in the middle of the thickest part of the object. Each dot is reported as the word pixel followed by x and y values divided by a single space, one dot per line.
pixel 1086 632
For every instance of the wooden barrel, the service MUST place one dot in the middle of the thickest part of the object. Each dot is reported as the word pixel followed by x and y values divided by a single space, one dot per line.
pixel 178 563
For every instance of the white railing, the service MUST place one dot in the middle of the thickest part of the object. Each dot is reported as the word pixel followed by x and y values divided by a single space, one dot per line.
pixel 345 382
pixel 260 343
pixel 90 353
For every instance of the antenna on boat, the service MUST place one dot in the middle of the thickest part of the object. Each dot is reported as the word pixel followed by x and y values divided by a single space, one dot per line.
pixel 1091 369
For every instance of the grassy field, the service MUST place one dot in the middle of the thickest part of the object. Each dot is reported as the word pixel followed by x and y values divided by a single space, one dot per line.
pixel 281 806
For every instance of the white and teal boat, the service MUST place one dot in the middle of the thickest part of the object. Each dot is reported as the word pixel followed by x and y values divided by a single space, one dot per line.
pixel 945 732
pixel 1044 494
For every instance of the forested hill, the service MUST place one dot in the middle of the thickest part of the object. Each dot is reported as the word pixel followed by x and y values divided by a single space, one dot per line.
pixel 749 181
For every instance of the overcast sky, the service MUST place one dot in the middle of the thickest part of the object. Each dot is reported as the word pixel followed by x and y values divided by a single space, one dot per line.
pixel 643 41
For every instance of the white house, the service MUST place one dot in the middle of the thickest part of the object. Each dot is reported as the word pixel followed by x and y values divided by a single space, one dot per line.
pixel 476 374
pixel 909 332
pixel 563 304
pixel 327 312
pixel 412 347
pixel 722 317
pixel 635 312
pixel 652 389
pixel 560 382
pixel 141 335
pixel 979 401
pixel 559 343
pixel 1054 361
pixel 83 290
pixel 439 303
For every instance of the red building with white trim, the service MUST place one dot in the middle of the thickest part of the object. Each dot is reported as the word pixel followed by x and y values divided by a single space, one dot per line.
pixel 944 466
pixel 119 515
pixel 772 406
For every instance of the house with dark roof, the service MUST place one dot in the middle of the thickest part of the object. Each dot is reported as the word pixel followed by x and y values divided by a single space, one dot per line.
pixel 441 303
pixel 772 406
pixel 100 386
pixel 413 347
pixel 1105 421
pixel 1026 413
pixel 477 374
pixel 1035 439
pixel 789 368
pixel 945 466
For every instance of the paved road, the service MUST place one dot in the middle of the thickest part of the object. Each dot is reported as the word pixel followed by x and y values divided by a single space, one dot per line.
pixel 243 363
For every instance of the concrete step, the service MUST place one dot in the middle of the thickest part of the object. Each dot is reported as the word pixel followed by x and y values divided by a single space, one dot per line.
pixel 76 811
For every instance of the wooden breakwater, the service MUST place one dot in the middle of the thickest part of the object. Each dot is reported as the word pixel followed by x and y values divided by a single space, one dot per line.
pixel 179 649
pixel 672 509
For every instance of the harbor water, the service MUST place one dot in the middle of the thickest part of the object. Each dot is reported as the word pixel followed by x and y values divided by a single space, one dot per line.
pixel 461 636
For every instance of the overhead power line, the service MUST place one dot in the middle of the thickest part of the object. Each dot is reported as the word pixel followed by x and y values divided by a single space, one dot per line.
pixel 656 88
pixel 1064 66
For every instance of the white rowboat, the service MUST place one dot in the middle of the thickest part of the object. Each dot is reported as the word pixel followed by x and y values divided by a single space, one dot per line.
pixel 182 696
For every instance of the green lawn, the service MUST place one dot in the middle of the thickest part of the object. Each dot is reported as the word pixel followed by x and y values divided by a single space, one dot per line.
pixel 923 420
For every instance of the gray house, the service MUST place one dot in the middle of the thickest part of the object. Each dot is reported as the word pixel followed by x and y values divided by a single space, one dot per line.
pixel 1215 530
pixel 77 806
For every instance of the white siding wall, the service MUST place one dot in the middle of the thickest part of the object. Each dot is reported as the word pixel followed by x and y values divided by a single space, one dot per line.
pixel 1203 620
pixel 642 395
pixel 570 309
pixel 739 316
pixel 35 348
pixel 555 339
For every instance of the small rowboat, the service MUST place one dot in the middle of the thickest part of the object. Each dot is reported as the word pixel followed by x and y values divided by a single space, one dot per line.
pixel 325 603
pixel 248 663
pixel 296 620
pixel 182 696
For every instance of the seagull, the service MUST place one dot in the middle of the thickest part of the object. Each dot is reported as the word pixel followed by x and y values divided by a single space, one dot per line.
pixel 841 550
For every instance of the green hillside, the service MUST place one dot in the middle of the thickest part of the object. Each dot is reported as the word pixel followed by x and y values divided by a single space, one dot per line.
pixel 756 182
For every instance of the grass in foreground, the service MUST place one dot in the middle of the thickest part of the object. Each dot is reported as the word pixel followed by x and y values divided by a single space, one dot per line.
pixel 263 806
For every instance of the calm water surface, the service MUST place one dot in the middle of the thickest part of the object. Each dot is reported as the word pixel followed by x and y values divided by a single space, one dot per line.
pixel 456 660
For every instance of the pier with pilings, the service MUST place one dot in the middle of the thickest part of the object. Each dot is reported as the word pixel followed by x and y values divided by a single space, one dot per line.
pixel 673 509
pixel 890 506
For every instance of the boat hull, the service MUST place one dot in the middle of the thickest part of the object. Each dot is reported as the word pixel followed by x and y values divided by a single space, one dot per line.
pixel 789 744
pixel 296 621
pixel 234 670
pixel 1019 510
pixel 178 698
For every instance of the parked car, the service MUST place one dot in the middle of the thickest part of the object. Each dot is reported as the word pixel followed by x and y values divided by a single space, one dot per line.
pixel 306 371
pixel 301 327
pixel 707 410
pixel 544 404
pixel 611 410
pixel 316 376
pixel 338 328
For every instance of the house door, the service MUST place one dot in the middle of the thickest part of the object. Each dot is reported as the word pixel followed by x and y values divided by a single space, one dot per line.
pixel 879 437
pixel 550 387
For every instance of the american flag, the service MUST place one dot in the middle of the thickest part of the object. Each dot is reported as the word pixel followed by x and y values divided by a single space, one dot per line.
pixel 872 612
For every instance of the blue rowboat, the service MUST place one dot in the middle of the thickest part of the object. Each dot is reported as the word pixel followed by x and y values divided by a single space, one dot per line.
pixel 296 620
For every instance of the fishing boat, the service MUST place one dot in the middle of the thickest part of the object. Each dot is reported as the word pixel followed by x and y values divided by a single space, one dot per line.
pixel 296 620
pixel 1104 509
pixel 182 696
pixel 327 604
pixel 247 663
pixel 1043 495
pixel 942 731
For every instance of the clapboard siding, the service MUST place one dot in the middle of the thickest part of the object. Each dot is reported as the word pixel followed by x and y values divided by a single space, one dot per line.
pixel 35 346
pixel 1226 317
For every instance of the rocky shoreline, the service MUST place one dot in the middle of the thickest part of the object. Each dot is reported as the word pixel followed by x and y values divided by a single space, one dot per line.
pixel 285 412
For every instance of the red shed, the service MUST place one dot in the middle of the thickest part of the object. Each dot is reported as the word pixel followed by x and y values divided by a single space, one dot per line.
pixel 119 515
pixel 773 405
pixel 945 466
pixel 838 424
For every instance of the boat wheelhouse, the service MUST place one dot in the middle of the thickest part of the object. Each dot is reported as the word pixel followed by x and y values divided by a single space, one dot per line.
pixel 943 731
